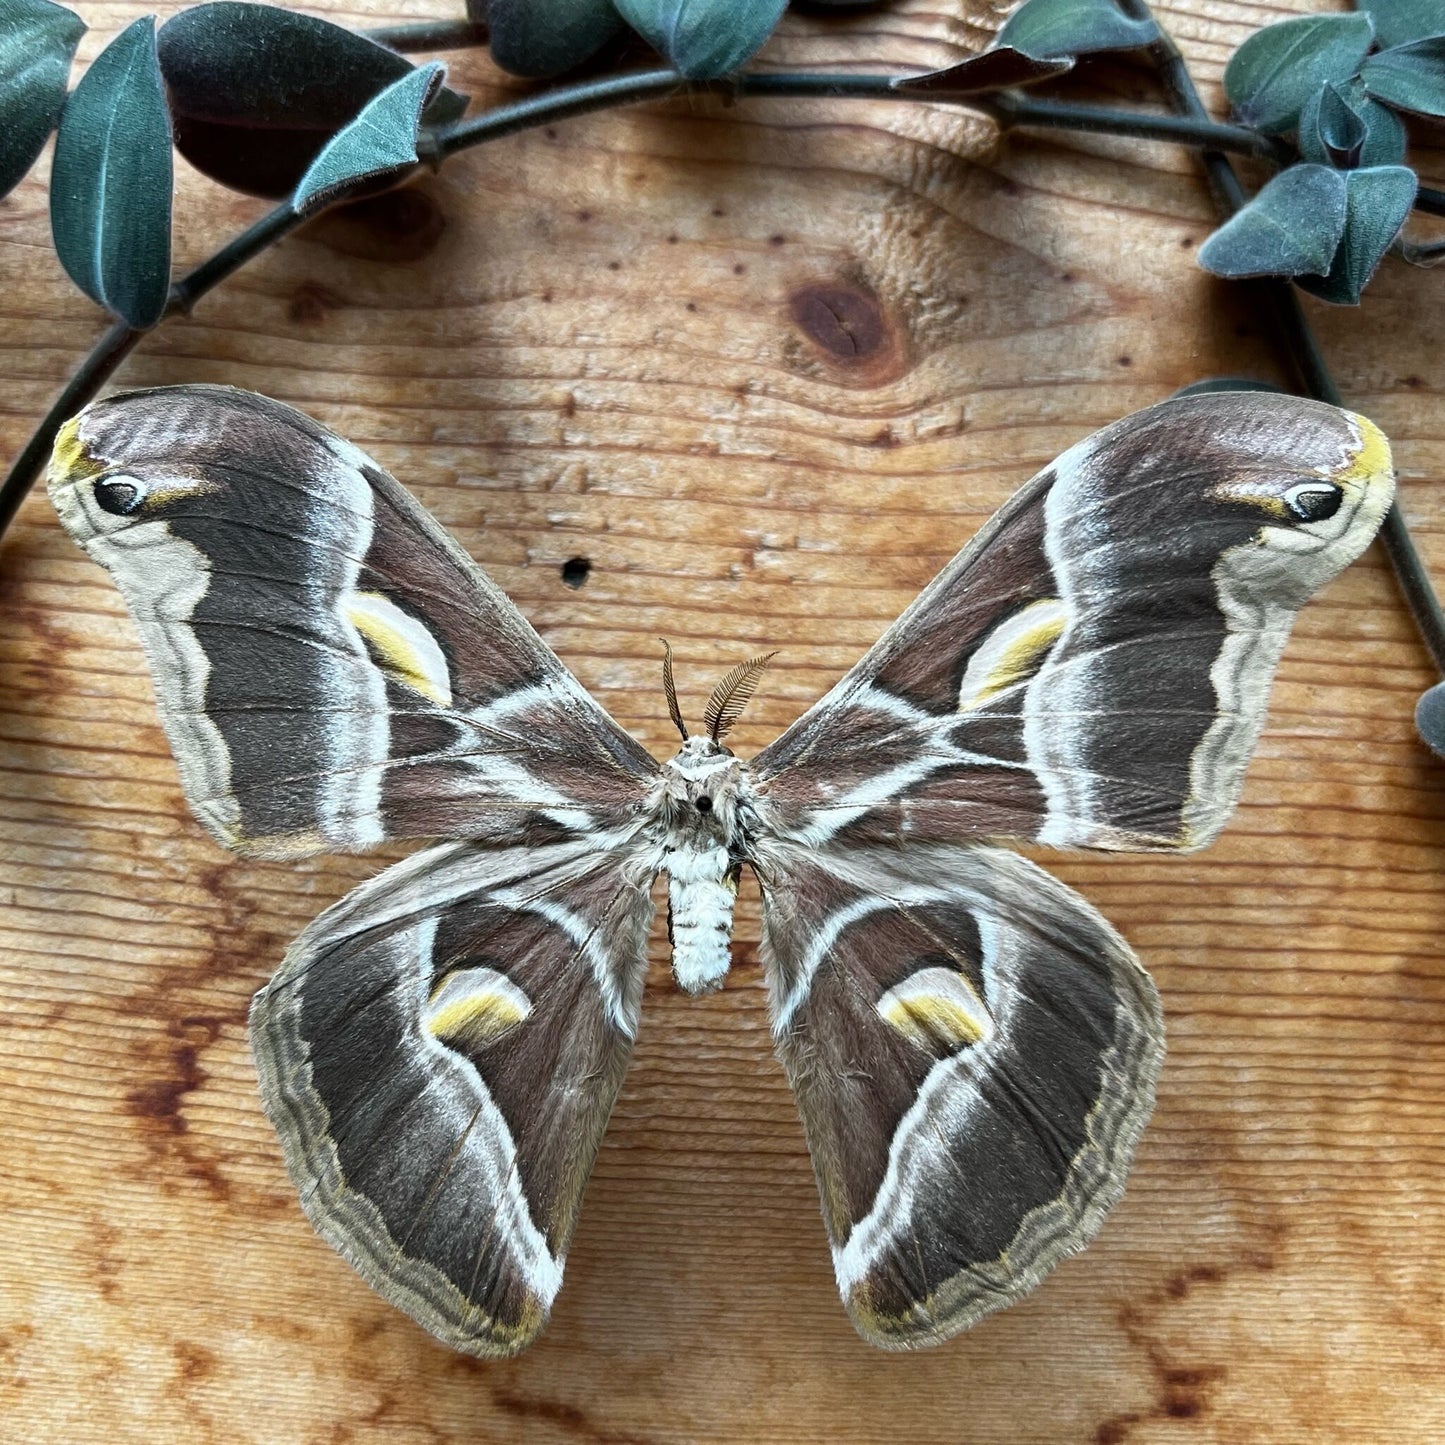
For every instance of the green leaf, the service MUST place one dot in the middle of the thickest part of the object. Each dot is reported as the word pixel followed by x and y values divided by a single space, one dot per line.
pixel 1409 77
pixel 1271 76
pixel 1378 201
pixel 110 186
pixel 1430 717
pixel 37 44
pixel 1339 132
pixel 1397 22
pixel 1052 29
pixel 1291 228
pixel 1214 384
pixel 1320 134
pixel 543 38
pixel 379 145
pixel 257 90
pixel 704 38
pixel 993 69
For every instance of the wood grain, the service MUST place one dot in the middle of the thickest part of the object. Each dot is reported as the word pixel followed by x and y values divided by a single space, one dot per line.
pixel 764 368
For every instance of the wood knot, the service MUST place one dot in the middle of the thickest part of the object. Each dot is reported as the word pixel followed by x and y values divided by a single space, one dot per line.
pixel 848 324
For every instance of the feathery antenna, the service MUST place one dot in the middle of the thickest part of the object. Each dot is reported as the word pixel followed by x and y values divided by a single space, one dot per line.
pixel 669 689
pixel 731 695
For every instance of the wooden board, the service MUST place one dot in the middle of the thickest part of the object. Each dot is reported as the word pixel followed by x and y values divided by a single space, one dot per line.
pixel 764 368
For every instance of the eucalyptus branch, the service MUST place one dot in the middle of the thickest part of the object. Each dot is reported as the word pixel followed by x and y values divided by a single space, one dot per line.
pixel 1026 110
pixel 424 36
pixel 1297 340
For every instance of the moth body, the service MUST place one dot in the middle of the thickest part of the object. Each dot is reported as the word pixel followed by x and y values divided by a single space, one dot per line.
pixel 700 810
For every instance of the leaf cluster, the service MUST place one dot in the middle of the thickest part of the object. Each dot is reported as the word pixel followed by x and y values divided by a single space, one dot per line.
pixel 281 104
pixel 1339 85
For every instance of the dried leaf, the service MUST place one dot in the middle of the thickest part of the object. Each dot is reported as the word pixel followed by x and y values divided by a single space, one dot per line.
pixel 704 39
pixel 1378 203
pixel 1057 29
pixel 379 145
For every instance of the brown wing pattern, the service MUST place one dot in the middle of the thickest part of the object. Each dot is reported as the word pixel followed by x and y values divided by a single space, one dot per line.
pixel 1093 669
pixel 331 668
pixel 439 1053
pixel 973 1051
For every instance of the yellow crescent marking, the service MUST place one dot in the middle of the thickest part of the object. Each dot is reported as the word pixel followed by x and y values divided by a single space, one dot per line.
pixel 1013 652
pixel 936 1007
pixel 68 457
pixel 402 645
pixel 1373 458
pixel 476 1019
pixel 928 1019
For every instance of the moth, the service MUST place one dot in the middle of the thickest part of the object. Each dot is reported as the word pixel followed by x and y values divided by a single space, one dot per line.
pixel 973 1048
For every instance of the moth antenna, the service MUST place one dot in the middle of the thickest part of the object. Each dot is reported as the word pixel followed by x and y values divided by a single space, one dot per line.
pixel 669 689
pixel 731 695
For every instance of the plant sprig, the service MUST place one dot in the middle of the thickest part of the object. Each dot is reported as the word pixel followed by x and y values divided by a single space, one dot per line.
pixel 284 105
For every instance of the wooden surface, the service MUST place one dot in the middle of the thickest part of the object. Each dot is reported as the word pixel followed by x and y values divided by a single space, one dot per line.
pixel 765 368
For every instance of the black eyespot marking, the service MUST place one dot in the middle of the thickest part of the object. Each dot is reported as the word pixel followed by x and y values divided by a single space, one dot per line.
pixel 576 570
pixel 1314 501
pixel 119 496
pixel 704 804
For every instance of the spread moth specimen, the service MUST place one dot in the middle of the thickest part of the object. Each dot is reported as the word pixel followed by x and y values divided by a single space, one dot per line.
pixel 973 1048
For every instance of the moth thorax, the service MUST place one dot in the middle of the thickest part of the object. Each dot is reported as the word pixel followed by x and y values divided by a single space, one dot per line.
pixel 702 884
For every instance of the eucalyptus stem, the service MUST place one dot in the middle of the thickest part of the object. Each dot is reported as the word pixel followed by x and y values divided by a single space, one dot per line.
pixel 1297 340
pixel 422 36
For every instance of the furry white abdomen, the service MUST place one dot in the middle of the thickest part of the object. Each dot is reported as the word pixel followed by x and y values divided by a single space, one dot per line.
pixel 700 894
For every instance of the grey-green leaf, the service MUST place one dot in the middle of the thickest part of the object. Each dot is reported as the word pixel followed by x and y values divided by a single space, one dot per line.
pixel 1397 22
pixel 1053 29
pixel 1409 77
pixel 379 145
pixel 1291 228
pixel 110 186
pixel 1338 131
pixel 1320 134
pixel 543 38
pixel 1430 717
pixel 1271 76
pixel 1378 201
pixel 704 39
pixel 37 44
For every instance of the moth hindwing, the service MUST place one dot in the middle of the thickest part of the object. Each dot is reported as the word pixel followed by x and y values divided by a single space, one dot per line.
pixel 973 1048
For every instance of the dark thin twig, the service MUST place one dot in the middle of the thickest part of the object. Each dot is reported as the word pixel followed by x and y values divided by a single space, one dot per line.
pixel 426 35
pixel 1431 201
pixel 1297 340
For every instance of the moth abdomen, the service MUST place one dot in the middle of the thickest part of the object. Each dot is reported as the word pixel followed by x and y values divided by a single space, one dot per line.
pixel 702 886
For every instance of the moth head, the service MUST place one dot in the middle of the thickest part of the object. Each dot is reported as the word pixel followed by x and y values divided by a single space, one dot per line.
pixel 699 790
